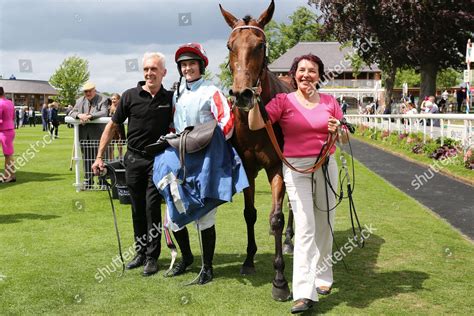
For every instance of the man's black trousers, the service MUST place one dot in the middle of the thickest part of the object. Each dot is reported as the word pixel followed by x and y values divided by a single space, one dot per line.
pixel 146 204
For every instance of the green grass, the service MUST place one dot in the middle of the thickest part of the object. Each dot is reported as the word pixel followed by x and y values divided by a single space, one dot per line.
pixel 414 263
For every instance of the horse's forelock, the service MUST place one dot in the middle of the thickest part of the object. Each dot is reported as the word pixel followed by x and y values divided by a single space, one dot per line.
pixel 247 19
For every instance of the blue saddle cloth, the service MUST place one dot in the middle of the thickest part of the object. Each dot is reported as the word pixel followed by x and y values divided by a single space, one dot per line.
pixel 213 176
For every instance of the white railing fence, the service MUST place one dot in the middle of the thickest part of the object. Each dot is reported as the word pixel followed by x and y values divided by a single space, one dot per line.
pixel 431 125
pixel 91 146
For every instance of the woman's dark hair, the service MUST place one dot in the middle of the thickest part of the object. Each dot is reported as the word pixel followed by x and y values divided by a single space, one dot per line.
pixel 294 66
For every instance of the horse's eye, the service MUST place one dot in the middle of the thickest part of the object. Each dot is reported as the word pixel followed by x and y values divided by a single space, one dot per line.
pixel 228 47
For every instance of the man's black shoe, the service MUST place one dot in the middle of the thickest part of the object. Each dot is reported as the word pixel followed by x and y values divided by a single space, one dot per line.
pixel 180 268
pixel 136 262
pixel 206 275
pixel 151 267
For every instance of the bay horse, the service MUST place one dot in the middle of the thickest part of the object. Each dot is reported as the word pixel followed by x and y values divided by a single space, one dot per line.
pixel 248 65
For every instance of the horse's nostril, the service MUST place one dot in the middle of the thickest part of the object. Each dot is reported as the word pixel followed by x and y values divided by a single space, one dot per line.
pixel 231 92
pixel 247 93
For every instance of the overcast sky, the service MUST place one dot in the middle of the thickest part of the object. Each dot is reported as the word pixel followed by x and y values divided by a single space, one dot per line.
pixel 109 32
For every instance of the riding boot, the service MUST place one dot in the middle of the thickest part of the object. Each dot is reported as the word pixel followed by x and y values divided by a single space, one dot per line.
pixel 208 246
pixel 182 238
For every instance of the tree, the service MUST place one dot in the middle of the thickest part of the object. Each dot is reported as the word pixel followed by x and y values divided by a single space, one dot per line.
pixel 448 78
pixel 69 78
pixel 445 79
pixel 303 27
pixel 225 76
pixel 208 75
pixel 357 63
pixel 426 35
pixel 408 75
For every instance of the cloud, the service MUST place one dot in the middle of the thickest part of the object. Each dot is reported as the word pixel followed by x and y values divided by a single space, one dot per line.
pixel 107 32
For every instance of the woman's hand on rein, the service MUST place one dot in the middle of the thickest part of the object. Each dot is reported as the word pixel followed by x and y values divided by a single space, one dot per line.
pixel 333 123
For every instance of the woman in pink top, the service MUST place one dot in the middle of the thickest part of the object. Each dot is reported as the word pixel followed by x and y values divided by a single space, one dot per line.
pixel 306 118
pixel 7 134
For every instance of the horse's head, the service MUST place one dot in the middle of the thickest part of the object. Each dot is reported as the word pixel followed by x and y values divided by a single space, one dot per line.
pixel 247 54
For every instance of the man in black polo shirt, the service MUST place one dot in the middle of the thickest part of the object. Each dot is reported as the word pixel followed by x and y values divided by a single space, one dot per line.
pixel 148 109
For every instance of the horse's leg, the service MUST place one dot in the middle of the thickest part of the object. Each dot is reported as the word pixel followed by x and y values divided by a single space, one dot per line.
pixel 280 289
pixel 289 233
pixel 250 214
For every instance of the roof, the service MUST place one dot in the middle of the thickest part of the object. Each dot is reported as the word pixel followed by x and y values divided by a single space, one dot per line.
pixel 20 86
pixel 329 52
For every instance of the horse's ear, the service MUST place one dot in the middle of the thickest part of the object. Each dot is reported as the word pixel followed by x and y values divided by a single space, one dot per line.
pixel 267 15
pixel 228 17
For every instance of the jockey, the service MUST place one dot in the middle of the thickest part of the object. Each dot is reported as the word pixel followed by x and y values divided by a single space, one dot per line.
pixel 197 101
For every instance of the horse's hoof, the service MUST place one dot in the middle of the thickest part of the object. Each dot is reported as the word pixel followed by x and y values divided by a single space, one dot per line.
pixel 288 249
pixel 281 294
pixel 244 270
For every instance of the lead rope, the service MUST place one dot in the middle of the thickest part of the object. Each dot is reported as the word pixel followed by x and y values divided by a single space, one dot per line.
pixel 359 239
pixel 328 180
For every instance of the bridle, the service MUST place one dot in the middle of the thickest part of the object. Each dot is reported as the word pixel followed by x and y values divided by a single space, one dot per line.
pixel 256 96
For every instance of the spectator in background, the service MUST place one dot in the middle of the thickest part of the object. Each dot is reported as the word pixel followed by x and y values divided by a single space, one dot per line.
pixel 434 107
pixel 7 135
pixel 21 116
pixel 68 110
pixel 411 109
pixel 54 119
pixel 460 97
pixel 119 135
pixel 344 106
pixel 17 118
pixel 25 115
pixel 424 105
pixel 89 107
pixel 444 101
pixel 44 117
pixel 32 117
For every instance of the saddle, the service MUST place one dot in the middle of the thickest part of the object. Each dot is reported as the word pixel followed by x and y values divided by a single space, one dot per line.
pixel 191 140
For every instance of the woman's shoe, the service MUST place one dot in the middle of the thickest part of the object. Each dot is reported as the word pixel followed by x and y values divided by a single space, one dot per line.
pixel 323 290
pixel 7 180
pixel 302 305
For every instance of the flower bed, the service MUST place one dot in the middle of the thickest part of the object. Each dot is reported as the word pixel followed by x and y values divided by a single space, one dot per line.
pixel 412 143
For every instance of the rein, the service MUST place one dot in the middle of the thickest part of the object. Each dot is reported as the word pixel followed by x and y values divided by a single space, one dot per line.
pixel 325 152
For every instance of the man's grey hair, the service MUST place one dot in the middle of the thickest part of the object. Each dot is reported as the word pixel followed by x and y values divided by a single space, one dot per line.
pixel 159 56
